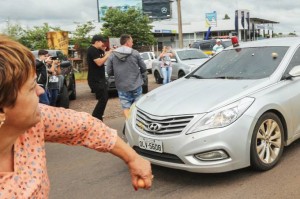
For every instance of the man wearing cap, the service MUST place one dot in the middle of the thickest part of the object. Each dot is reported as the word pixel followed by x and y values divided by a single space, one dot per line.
pixel 218 47
pixel 127 65
pixel 96 57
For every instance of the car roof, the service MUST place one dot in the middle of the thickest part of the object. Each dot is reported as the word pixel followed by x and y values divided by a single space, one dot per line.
pixel 287 41
pixel 184 49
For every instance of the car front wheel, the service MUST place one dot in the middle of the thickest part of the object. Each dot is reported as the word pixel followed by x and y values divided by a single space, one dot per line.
pixel 157 77
pixel 181 74
pixel 267 142
pixel 72 88
pixel 63 100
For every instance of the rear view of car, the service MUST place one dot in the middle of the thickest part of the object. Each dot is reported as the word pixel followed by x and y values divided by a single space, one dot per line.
pixel 207 45
pixel 148 59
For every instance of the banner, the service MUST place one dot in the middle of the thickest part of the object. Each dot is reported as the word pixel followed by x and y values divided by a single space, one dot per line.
pixel 123 5
pixel 157 9
pixel 58 40
pixel 211 19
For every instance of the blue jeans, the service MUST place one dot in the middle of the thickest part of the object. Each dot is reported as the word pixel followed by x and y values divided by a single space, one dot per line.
pixel 166 72
pixel 127 98
pixel 44 98
pixel 53 94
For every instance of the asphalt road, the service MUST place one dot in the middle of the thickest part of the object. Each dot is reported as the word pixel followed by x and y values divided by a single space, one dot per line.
pixel 76 172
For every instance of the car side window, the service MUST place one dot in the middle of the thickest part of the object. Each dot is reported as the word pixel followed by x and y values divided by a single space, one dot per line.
pixel 152 57
pixel 145 56
pixel 295 61
pixel 205 46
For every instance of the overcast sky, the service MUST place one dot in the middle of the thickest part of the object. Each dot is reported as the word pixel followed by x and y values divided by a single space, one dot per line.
pixel 64 13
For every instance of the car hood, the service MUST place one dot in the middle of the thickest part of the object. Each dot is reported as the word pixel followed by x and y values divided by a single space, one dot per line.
pixel 194 96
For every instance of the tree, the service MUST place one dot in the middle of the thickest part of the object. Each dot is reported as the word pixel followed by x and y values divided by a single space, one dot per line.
pixel 15 31
pixel 36 38
pixel 226 17
pixel 131 22
pixel 292 34
pixel 81 37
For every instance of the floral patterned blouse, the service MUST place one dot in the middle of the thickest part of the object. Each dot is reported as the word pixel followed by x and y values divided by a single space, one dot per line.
pixel 30 178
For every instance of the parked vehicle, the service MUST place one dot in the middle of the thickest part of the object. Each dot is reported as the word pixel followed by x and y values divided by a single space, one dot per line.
pixel 207 45
pixel 148 59
pixel 67 89
pixel 112 86
pixel 238 109
pixel 183 62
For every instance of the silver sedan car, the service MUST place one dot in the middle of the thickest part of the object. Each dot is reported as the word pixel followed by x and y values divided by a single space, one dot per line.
pixel 238 109
pixel 183 62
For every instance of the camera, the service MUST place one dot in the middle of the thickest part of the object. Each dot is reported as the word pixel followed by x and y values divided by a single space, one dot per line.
pixel 54 58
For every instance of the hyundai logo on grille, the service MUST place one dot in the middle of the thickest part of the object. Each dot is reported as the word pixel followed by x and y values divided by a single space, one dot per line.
pixel 164 10
pixel 154 127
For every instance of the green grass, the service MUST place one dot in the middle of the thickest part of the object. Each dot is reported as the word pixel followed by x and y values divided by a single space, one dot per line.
pixel 81 75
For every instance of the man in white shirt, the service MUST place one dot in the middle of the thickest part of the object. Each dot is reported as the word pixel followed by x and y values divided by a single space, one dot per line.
pixel 218 47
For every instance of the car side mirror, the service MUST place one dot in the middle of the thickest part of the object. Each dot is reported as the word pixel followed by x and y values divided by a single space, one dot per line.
pixel 295 72
pixel 173 60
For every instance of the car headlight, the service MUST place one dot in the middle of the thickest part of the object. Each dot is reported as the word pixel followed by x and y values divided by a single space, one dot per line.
pixel 131 111
pixel 224 116
pixel 192 67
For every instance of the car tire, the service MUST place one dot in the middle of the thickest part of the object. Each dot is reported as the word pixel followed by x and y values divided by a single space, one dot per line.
pixel 266 147
pixel 64 98
pixel 181 74
pixel 158 78
pixel 72 88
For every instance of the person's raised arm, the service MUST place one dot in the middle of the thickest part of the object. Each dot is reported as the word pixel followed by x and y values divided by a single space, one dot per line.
pixel 101 61
pixel 139 168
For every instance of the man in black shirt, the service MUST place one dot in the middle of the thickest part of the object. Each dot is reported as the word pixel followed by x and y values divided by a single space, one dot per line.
pixel 96 57
pixel 42 74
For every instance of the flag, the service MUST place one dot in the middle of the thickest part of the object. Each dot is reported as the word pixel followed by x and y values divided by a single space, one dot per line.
pixel 207 34
pixel 242 19
pixel 248 20
pixel 237 22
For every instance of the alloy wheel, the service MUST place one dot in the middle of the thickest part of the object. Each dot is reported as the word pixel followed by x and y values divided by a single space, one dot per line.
pixel 268 141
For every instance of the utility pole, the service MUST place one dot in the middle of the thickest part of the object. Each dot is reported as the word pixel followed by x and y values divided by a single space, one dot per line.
pixel 179 24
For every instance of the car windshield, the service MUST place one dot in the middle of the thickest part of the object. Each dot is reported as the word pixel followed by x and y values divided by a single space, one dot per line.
pixel 191 54
pixel 145 56
pixel 226 43
pixel 242 63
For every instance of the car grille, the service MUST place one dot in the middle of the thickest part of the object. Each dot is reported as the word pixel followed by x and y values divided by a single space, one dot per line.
pixel 161 125
pixel 167 157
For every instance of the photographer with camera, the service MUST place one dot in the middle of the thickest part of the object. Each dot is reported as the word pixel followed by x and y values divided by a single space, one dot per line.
pixel 53 68
pixel 42 74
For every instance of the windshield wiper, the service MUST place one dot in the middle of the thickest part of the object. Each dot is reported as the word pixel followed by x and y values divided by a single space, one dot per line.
pixel 228 77
pixel 196 76
pixel 190 58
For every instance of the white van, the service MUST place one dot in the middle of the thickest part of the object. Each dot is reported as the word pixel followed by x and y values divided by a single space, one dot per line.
pixel 148 59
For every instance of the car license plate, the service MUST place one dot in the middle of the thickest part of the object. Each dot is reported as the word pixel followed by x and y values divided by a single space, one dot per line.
pixel 151 144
